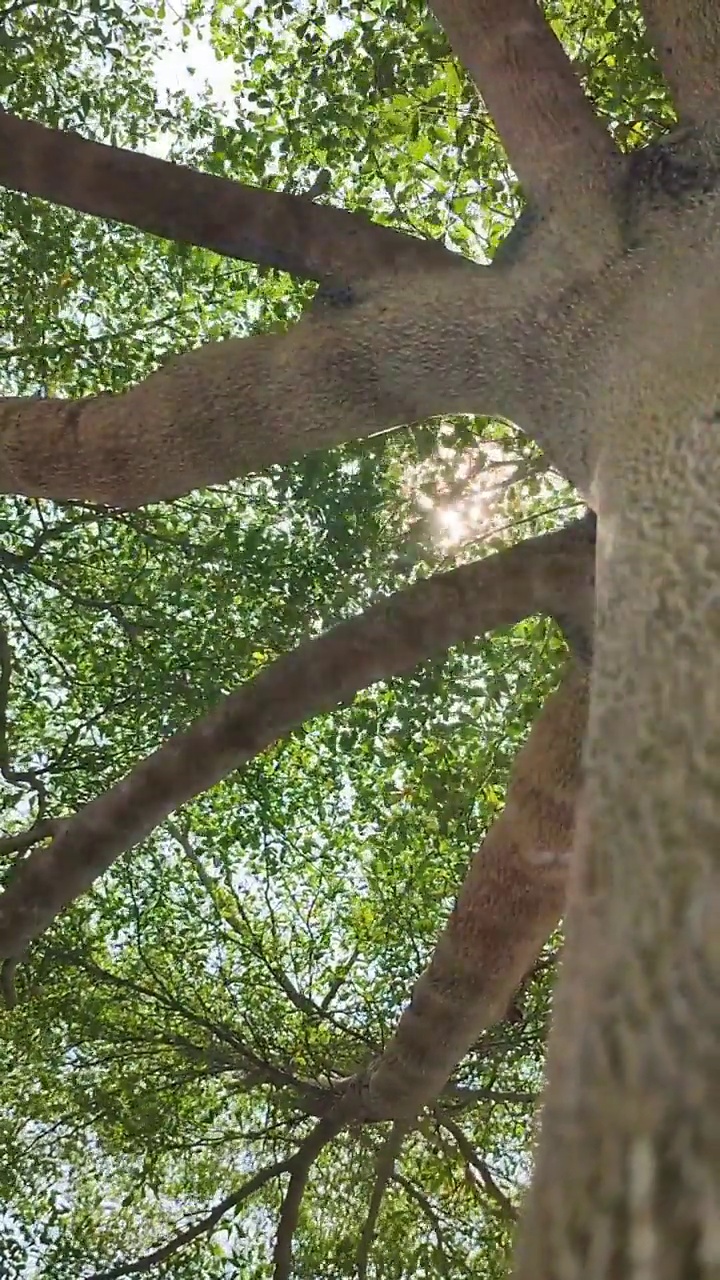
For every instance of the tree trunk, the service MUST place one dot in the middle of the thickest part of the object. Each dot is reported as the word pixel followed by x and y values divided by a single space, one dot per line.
pixel 627 1185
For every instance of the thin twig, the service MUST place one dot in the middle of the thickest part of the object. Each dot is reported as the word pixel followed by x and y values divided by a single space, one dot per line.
pixel 474 1161
pixel 33 835
pixel 427 1208
pixel 11 775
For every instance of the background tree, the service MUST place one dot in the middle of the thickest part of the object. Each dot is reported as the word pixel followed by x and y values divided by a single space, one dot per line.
pixel 570 334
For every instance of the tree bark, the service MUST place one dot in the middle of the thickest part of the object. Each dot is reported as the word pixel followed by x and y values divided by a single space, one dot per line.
pixel 271 228
pixel 424 344
pixel 518 341
pixel 614 370
pixel 561 151
pixel 510 902
pixel 627 1183
pixel 541 574
pixel 686 38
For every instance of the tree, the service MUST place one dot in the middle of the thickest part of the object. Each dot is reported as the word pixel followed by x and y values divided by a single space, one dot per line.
pixel 595 330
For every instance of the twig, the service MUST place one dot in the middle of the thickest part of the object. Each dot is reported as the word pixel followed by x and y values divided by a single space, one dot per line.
pixel 422 1200
pixel 240 925
pixel 474 1161
pixel 258 1071
pixel 33 835
pixel 14 776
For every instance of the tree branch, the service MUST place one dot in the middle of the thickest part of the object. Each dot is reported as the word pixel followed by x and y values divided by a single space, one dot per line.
pixel 300 1166
pixel 384 1170
pixel 15 777
pixel 227 408
pixel 558 147
pixel 22 840
pixel 511 900
pixel 468 1097
pixel 389 639
pixel 235 918
pixel 521 341
pixel 271 228
pixel 474 1161
pixel 203 1227
pixel 441 1261
pixel 685 35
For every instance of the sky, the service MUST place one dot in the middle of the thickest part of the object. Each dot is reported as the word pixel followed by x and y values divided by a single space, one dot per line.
pixel 172 69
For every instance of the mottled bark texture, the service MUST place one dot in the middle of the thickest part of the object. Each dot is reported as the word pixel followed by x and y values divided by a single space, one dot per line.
pixel 685 35
pixel 547 124
pixel 599 333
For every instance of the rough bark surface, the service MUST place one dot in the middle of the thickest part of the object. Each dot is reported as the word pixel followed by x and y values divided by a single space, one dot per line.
pixel 686 38
pixel 271 228
pixel 511 900
pixel 635 1054
pixel 628 1173
pixel 558 145
pixel 223 409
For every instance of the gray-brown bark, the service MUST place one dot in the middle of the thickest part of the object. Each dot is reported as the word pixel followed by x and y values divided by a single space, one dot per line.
pixel 271 228
pixel 509 904
pixel 628 1174
pixel 686 38
pixel 560 150
pixel 547 574
pixel 223 409
pixel 518 341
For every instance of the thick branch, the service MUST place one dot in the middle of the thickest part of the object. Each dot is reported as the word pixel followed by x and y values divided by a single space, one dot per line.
pixel 271 228
pixel 511 900
pixel 227 408
pixel 557 145
pixel 686 37
pixel 539 575
pixel 455 341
